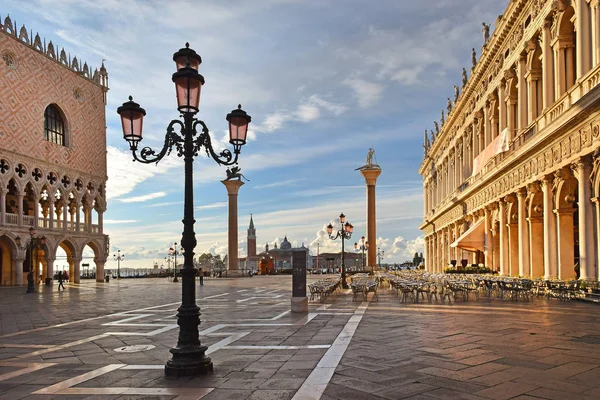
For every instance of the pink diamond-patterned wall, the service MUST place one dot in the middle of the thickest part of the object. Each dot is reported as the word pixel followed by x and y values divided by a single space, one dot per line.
pixel 29 82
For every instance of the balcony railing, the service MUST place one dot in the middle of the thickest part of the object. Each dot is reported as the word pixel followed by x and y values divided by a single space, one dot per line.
pixel 44 223
pixel 12 219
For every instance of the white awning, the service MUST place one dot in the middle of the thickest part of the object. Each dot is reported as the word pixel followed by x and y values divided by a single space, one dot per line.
pixel 473 239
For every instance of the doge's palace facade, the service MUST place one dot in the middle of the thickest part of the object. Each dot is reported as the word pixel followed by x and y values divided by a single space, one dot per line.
pixel 511 178
pixel 52 157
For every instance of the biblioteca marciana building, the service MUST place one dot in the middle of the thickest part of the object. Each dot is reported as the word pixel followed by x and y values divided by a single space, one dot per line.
pixel 511 175
pixel 52 158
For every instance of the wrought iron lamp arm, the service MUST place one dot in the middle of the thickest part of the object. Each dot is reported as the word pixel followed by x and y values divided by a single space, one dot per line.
pixel 149 156
pixel 339 234
pixel 203 140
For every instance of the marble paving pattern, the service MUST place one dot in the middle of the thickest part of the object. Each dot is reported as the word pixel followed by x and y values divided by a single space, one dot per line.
pixel 69 345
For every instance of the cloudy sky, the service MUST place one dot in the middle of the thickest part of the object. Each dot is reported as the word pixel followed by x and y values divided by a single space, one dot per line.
pixel 323 80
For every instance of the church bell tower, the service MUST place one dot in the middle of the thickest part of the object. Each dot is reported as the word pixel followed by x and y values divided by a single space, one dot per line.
pixel 251 240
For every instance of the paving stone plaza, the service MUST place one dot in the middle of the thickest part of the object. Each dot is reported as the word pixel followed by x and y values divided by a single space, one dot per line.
pixel 110 341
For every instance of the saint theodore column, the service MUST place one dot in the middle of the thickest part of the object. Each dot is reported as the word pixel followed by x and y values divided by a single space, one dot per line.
pixel 233 186
pixel 370 172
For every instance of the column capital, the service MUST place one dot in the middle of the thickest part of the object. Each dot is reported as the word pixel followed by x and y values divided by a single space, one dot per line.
pixel 511 198
pixel 533 187
pixel 233 186
pixel 521 193
pixel 370 175
pixel 492 206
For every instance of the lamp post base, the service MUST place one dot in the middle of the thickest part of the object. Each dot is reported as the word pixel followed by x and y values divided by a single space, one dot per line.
pixel 188 362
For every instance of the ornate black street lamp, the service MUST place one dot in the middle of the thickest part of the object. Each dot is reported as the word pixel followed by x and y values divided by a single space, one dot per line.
pixel 189 356
pixel 345 232
pixel 118 258
pixel 173 252
pixel 364 246
pixel 380 254
pixel 34 242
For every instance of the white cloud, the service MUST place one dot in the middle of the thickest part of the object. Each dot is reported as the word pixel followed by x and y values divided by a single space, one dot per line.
pixel 146 197
pixel 367 93
pixel 308 110
pixel 121 221
pixel 164 204
pixel 288 182
pixel 124 174
pixel 212 206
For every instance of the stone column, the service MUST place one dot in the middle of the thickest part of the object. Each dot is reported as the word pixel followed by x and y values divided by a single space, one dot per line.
pixel 76 275
pixel 547 66
pixel 566 242
pixel 457 251
pixel 49 269
pixel 99 269
pixel 584 49
pixel 524 267
pixel 20 209
pixel 36 211
pixel 78 217
pixel 587 257
pixel 370 174
pixel 522 109
pixel 65 213
pixel 503 238
pixel 18 263
pixel 487 238
pixel 596 202
pixel 536 231
pixel 502 112
pixel 51 211
pixel 3 193
pixel 233 186
pixel 436 257
pixel 550 245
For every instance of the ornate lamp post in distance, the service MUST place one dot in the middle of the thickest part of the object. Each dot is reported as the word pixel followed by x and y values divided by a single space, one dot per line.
pixel 364 246
pixel 345 232
pixel 189 356
pixel 173 251
pixel 34 241
pixel 118 258
pixel 379 256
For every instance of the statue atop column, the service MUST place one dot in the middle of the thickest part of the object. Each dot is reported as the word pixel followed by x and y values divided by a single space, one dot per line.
pixel 370 155
pixel 370 162
pixel 485 28
pixel 235 172
pixel 464 77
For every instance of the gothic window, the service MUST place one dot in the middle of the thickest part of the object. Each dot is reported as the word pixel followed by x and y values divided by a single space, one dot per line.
pixel 54 125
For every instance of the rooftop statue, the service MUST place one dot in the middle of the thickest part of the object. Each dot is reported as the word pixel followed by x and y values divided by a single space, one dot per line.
pixel 456 93
pixel 235 172
pixel 485 28
pixel 464 77
pixel 449 105
pixel 473 58
pixel 437 127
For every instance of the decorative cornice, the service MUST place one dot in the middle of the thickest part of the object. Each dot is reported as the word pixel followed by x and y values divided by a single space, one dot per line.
pixel 9 28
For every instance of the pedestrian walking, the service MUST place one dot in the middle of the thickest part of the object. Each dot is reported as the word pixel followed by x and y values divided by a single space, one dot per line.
pixel 201 274
pixel 61 279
